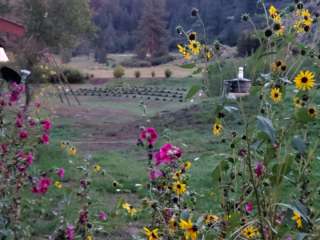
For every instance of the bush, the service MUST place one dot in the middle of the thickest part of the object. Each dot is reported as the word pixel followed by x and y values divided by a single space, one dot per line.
pixel 161 60
pixel 137 74
pixel 168 73
pixel 118 72
pixel 74 76
pixel 153 74
pixel 135 62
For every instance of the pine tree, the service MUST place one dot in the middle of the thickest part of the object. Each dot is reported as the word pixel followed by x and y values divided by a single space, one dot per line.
pixel 152 34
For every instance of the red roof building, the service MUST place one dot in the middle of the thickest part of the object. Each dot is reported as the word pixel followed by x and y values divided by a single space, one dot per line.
pixel 10 27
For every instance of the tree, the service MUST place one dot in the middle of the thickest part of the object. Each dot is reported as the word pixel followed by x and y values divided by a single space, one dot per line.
pixel 152 34
pixel 55 24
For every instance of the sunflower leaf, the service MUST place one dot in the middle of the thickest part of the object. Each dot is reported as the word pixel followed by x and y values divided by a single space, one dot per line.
pixel 298 144
pixel 265 126
pixel 193 91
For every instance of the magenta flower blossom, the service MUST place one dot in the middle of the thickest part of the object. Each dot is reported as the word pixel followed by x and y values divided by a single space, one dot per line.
pixel 150 135
pixel 19 122
pixel 42 185
pixel 46 125
pixel 102 216
pixel 23 134
pixel 32 122
pixel 44 139
pixel 155 174
pixel 259 169
pixel 60 172
pixel 70 232
pixel 249 207
pixel 29 158
pixel 167 154
pixel 4 148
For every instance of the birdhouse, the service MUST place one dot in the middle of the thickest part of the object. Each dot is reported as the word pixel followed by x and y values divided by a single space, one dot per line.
pixel 3 55
pixel 239 86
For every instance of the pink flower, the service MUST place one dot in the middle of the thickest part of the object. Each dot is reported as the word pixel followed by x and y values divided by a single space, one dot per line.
pixel 70 232
pixel 23 134
pixel 259 169
pixel 32 122
pixel 4 148
pixel 19 122
pixel 150 135
pixel 37 104
pixel 167 154
pixel 249 207
pixel 29 158
pixel 42 186
pixel 154 174
pixel 60 172
pixel 102 216
pixel 44 139
pixel 46 125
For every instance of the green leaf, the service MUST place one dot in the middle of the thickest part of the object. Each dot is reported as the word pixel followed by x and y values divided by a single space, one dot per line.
pixel 302 115
pixel 298 144
pixel 265 126
pixel 197 71
pixel 193 91
pixel 188 65
pixel 221 166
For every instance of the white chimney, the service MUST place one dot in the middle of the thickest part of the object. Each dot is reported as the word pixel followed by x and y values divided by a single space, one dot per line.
pixel 3 55
pixel 241 73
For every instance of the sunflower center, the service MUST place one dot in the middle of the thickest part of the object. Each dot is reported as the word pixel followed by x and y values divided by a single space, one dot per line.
pixel 194 228
pixel 311 111
pixel 304 80
pixel 276 95
pixel 195 45
pixel 179 186
pixel 153 235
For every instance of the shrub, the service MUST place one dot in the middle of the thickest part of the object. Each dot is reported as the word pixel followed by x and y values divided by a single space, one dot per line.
pixel 74 76
pixel 118 71
pixel 137 74
pixel 135 62
pixel 161 60
pixel 168 73
pixel 153 74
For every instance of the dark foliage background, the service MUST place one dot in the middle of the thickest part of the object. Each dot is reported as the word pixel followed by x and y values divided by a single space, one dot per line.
pixel 117 20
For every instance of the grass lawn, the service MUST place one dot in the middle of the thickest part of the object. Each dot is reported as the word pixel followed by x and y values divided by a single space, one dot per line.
pixel 186 125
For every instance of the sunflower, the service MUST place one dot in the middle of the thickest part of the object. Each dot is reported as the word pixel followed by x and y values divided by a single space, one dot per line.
pixel 184 51
pixel 72 151
pixel 250 232
pixel 297 102
pixel 297 218
pixel 305 80
pixel 187 165
pixel 58 184
pixel 273 11
pixel 177 175
pixel 97 168
pixel 190 230
pixel 217 129
pixel 276 95
pixel 179 188
pixel 173 225
pixel 306 16
pixel 276 66
pixel 130 209
pixel 312 112
pixel 89 237
pixel 192 36
pixel 210 219
pixel 151 234
pixel 195 47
